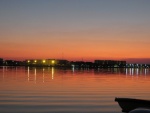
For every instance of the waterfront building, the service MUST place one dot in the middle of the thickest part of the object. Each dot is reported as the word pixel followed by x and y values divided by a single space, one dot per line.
pixel 62 62
pixel 78 64
pixel 46 62
pixel 109 63
pixel 13 63
pixel 81 64
pixel 1 61
pixel 9 62
pixel 75 64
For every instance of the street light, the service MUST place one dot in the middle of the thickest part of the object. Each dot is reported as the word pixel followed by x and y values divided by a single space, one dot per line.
pixel 44 61
pixel 53 61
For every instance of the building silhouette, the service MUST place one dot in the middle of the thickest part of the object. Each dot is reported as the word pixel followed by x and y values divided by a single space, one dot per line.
pixel 1 61
pixel 72 64
pixel 46 62
pixel 109 63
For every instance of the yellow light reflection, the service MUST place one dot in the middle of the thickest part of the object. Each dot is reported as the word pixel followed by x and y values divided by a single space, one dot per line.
pixel 43 75
pixel 35 75
pixel 52 72
pixel 35 61
pixel 28 61
pixel 28 74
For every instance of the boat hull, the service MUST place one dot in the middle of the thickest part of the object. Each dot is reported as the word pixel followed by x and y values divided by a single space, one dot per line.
pixel 140 110
pixel 128 104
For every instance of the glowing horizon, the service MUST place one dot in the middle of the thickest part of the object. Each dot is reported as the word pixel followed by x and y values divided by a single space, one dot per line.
pixel 75 30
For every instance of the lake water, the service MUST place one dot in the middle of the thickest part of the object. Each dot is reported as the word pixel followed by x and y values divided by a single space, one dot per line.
pixel 51 90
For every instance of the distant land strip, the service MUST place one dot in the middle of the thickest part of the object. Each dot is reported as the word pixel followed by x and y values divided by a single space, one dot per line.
pixel 72 64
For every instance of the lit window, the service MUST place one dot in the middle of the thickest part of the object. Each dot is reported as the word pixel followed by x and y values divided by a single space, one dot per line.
pixel 44 61
pixel 53 61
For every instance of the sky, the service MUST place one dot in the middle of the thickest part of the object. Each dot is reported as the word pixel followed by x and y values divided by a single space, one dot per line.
pixel 75 29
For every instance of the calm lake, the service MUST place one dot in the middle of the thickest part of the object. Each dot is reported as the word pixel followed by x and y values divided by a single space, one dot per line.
pixel 52 90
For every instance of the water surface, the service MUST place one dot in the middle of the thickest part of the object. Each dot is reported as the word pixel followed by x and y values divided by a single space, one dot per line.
pixel 51 90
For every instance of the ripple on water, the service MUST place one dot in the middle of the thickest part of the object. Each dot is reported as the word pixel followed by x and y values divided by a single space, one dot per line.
pixel 24 91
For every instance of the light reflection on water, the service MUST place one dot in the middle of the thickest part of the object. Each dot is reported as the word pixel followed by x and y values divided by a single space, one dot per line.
pixel 51 90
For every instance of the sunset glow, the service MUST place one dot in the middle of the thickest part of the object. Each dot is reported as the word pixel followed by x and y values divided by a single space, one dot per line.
pixel 75 30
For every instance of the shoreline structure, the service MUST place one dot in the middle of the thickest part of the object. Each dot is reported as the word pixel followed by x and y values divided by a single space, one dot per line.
pixel 76 64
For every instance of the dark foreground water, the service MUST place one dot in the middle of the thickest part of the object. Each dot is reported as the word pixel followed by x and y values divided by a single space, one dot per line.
pixel 51 90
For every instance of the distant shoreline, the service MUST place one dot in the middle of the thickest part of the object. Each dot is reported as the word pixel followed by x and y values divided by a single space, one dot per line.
pixel 72 64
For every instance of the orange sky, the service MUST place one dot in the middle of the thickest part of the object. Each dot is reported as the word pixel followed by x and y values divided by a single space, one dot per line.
pixel 88 45
pixel 75 30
